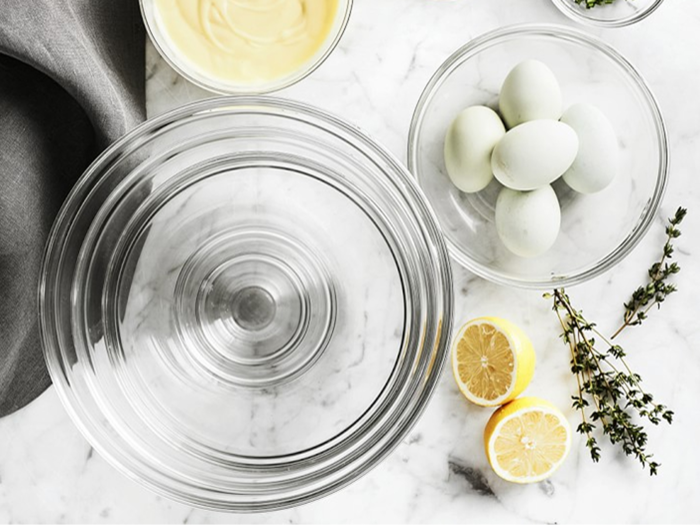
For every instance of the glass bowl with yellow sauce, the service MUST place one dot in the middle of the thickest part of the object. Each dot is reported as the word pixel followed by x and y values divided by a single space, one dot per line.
pixel 245 46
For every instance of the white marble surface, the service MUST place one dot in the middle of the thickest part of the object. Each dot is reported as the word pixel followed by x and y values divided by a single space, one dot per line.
pixel 48 472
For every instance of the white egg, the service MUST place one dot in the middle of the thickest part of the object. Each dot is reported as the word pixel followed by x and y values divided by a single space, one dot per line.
pixel 596 162
pixel 534 154
pixel 530 92
pixel 528 221
pixel 469 142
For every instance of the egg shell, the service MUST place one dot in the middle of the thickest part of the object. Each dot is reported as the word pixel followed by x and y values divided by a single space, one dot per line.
pixel 469 143
pixel 534 154
pixel 596 162
pixel 528 222
pixel 530 92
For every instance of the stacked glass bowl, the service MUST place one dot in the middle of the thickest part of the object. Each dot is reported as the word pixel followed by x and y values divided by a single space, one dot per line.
pixel 245 304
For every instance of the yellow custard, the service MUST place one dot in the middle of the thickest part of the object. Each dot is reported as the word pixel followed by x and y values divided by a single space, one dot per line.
pixel 246 42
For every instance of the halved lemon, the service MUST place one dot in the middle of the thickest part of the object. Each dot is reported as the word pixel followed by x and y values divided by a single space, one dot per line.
pixel 526 440
pixel 492 361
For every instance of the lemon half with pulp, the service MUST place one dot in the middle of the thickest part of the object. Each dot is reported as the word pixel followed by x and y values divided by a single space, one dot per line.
pixel 526 440
pixel 492 361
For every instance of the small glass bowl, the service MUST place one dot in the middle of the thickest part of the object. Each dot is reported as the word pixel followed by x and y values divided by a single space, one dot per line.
pixel 245 304
pixel 620 13
pixel 597 231
pixel 188 71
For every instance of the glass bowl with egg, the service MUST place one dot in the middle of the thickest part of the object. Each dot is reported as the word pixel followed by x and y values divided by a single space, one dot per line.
pixel 541 232
pixel 245 46
pixel 618 13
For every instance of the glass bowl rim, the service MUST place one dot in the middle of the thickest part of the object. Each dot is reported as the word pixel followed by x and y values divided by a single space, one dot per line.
pixel 328 47
pixel 412 407
pixel 575 12
pixel 471 49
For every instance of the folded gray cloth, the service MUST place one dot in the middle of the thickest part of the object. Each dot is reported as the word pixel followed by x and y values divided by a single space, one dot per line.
pixel 71 81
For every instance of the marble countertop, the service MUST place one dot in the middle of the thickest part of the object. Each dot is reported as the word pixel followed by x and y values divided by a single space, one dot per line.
pixel 49 473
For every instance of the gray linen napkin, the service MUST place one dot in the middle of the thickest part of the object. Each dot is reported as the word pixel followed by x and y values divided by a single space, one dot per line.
pixel 71 82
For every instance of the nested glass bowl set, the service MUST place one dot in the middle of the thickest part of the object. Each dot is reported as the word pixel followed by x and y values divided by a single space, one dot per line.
pixel 246 303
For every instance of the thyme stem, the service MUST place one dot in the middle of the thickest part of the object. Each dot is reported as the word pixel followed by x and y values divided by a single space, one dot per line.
pixel 657 289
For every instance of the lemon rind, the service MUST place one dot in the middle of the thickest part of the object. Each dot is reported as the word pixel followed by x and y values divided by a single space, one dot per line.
pixel 504 474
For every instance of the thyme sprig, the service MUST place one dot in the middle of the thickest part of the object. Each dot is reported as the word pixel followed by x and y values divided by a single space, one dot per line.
pixel 657 289
pixel 609 395
pixel 607 388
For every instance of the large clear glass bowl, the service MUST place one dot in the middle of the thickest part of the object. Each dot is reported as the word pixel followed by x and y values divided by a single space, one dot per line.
pixel 245 304
pixel 597 230
pixel 619 13
pixel 192 73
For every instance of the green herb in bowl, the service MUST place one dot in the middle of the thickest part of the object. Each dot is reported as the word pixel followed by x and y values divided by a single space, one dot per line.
pixel 592 3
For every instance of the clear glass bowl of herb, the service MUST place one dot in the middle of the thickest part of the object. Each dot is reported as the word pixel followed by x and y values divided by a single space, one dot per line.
pixel 598 230
pixel 607 13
